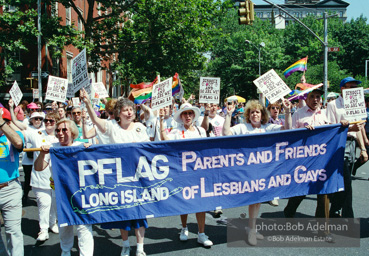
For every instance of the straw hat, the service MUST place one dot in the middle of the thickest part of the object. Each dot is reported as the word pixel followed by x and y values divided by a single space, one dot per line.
pixel 185 107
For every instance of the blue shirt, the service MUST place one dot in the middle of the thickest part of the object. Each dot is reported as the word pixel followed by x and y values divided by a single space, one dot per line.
pixel 9 159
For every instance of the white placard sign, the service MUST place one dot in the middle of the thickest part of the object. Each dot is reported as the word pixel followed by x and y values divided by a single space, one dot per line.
pixel 162 94
pixel 209 90
pixel 272 86
pixel 56 89
pixel 90 89
pixel 70 92
pixel 16 93
pixel 76 102
pixel 79 71
pixel 95 101
pixel 354 103
pixel 35 94
pixel 100 90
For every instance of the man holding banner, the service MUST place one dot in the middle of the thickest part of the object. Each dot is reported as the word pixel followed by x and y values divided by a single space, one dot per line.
pixel 11 144
pixel 336 113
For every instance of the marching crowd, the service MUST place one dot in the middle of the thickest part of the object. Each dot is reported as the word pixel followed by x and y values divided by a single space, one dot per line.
pixel 121 121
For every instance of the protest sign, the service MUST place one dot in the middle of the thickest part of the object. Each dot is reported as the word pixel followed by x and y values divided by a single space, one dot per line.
pixel 76 102
pixel 94 102
pixel 272 86
pixel 56 89
pixel 35 94
pixel 16 93
pixel 105 183
pixel 70 92
pixel 162 94
pixel 354 103
pixel 209 90
pixel 100 90
pixel 80 72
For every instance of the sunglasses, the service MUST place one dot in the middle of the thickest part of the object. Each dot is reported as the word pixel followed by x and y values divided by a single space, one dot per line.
pixel 188 113
pixel 49 120
pixel 38 118
pixel 76 113
pixel 274 108
pixel 34 109
pixel 63 130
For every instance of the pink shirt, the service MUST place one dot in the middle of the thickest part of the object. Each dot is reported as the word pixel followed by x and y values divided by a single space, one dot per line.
pixel 306 116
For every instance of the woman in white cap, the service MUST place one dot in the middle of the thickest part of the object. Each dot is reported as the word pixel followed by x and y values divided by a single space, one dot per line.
pixel 256 116
pixel 35 123
pixel 186 116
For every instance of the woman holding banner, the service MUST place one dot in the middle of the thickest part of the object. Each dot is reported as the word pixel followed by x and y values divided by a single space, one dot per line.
pixel 186 116
pixel 125 130
pixel 40 181
pixel 256 117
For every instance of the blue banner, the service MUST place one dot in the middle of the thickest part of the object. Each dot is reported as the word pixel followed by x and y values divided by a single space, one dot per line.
pixel 106 183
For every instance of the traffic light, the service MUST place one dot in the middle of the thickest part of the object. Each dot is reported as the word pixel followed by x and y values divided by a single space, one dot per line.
pixel 246 11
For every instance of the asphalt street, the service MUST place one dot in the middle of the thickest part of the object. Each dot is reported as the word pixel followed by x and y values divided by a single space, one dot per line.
pixel 162 235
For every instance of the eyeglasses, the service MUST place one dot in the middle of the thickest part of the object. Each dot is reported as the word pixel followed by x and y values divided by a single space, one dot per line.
pixel 49 120
pixel 274 108
pixel 187 113
pixel 34 109
pixel 76 113
pixel 38 118
pixel 62 129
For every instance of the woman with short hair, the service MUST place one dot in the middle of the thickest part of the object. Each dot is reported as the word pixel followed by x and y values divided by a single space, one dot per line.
pixel 256 117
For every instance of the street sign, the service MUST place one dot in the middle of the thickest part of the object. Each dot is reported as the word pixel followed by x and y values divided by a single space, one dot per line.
pixel 44 74
pixel 333 49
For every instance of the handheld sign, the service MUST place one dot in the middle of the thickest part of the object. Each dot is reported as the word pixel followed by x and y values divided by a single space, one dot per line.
pixel 272 86
pixel 209 90
pixel 100 90
pixel 35 94
pixel 70 92
pixel 79 71
pixel 16 93
pixel 76 101
pixel 56 89
pixel 162 94
pixel 354 103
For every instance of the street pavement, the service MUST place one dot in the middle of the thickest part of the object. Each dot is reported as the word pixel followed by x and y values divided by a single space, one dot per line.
pixel 162 235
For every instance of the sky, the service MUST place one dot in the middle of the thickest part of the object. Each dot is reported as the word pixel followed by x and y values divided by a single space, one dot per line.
pixel 355 9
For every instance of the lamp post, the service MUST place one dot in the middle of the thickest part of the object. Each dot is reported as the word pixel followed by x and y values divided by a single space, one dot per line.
pixel 261 45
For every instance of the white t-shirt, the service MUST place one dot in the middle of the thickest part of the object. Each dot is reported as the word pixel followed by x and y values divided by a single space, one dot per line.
pixel 248 129
pixel 181 133
pixel 102 137
pixel 36 139
pixel 154 130
pixel 217 122
pixel 118 135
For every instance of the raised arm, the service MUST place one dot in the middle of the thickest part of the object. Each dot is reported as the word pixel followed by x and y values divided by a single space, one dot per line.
pixel 100 123
pixel 163 133
pixel 227 122
pixel 287 117
pixel 87 134
pixel 11 135
pixel 15 121
pixel 205 120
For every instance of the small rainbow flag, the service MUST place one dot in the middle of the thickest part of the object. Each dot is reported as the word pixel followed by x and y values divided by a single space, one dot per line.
pixel 176 85
pixel 300 65
pixel 141 92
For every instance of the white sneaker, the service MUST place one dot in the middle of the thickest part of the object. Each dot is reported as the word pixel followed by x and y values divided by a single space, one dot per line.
pixel 274 202
pixel 55 229
pixel 251 237
pixel 140 254
pixel 183 236
pixel 125 251
pixel 204 240
pixel 43 235
pixel 258 235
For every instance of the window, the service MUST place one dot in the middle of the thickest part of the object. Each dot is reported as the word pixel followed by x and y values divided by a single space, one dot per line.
pixel 80 23
pixel 10 8
pixel 99 9
pixel 54 9
pixel 341 14
pixel 68 16
pixel 69 67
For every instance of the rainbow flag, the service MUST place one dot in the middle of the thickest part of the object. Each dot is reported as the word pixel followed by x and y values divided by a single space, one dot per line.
pixel 300 65
pixel 176 85
pixel 141 92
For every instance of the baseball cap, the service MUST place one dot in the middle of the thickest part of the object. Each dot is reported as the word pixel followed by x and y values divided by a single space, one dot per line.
pixel 347 80
pixel 6 114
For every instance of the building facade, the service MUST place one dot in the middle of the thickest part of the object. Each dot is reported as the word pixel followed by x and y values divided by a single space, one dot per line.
pixel 300 9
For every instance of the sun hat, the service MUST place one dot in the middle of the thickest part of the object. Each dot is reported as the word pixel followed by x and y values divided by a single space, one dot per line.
pixel 347 80
pixel 185 107
pixel 6 114
pixel 36 114
pixel 32 105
